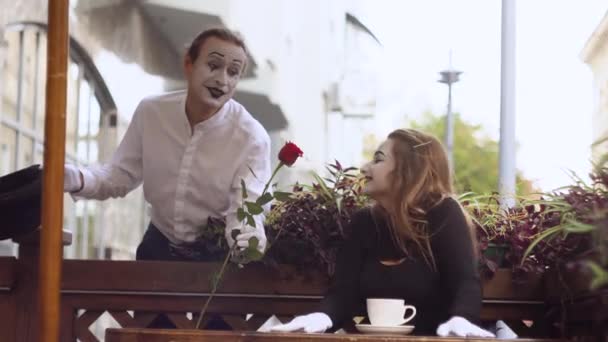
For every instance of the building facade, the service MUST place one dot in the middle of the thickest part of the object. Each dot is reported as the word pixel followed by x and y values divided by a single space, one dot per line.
pixel 312 80
pixel 595 55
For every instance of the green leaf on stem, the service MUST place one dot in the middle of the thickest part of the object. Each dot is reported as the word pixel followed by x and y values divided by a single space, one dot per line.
pixel 573 226
pixel 251 253
pixel 282 196
pixel 339 203
pixel 253 242
pixel 244 189
pixel 600 275
pixel 265 198
pixel 250 220
pixel 329 180
pixel 240 214
pixel 254 208
pixel 323 186
pixel 544 235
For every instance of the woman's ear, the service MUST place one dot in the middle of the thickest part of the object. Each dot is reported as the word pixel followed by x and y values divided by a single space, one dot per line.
pixel 188 65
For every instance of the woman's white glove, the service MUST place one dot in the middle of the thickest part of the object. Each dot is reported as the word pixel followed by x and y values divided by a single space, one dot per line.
pixel 459 326
pixel 72 180
pixel 316 322
pixel 503 331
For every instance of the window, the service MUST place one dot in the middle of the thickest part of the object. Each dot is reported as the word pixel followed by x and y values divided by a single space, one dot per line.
pixel 23 76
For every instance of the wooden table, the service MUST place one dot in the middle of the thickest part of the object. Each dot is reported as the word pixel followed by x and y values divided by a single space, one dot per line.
pixel 159 335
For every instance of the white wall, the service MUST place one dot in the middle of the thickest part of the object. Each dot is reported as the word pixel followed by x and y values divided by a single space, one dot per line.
pixel 595 54
pixel 300 48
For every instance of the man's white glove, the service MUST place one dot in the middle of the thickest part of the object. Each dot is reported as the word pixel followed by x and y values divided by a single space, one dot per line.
pixel 242 240
pixel 72 180
pixel 459 326
pixel 316 322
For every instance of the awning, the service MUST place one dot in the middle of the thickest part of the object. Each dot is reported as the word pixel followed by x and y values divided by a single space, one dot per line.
pixel 153 35
pixel 265 111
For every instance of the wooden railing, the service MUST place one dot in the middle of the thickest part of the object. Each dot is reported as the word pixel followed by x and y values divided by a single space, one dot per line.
pixel 136 294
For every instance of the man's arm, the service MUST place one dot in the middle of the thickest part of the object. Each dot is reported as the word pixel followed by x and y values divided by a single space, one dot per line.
pixel 122 174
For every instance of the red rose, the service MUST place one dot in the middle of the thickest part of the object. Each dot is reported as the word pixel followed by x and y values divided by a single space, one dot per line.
pixel 290 153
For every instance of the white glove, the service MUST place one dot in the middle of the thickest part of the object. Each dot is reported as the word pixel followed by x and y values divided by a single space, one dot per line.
pixel 459 326
pixel 503 331
pixel 72 180
pixel 316 322
pixel 242 240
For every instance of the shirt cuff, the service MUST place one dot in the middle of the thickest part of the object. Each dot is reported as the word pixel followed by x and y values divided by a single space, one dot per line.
pixel 89 187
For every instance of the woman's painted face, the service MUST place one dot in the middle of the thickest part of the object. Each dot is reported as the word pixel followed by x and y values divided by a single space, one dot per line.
pixel 213 77
pixel 378 171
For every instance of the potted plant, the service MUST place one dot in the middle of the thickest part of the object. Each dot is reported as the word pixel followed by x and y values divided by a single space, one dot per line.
pixel 583 209
pixel 508 237
pixel 306 230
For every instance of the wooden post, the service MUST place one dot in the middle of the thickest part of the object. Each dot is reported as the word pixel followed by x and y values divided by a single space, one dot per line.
pixel 54 159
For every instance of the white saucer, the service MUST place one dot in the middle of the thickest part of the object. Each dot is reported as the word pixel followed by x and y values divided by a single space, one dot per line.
pixel 378 329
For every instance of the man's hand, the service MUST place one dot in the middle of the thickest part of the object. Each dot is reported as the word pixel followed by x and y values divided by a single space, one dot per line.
pixel 72 179
pixel 242 239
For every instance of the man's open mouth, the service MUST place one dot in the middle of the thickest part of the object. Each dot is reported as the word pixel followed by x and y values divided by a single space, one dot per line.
pixel 215 92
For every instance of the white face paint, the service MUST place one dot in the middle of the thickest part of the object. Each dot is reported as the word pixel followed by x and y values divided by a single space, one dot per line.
pixel 213 77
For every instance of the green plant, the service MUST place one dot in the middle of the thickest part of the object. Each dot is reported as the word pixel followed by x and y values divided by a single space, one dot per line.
pixel 563 230
pixel 505 234
pixel 584 211
pixel 307 229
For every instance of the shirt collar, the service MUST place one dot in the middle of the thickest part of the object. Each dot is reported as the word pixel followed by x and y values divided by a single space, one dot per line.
pixel 216 119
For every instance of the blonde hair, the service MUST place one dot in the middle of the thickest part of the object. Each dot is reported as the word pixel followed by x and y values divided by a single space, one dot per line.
pixel 421 179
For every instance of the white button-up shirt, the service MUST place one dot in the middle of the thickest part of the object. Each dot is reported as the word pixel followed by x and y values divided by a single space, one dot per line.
pixel 187 174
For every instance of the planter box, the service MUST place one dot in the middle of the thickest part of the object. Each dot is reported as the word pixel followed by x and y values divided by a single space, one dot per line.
pixel 501 286
pixel 571 283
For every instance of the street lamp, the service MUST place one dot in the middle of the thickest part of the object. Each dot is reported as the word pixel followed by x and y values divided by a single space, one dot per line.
pixel 449 77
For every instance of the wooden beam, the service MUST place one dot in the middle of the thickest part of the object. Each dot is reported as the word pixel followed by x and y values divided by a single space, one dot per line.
pixel 158 335
pixel 54 158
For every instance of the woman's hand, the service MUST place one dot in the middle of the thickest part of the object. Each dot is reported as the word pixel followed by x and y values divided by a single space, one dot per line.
pixel 459 326
pixel 316 322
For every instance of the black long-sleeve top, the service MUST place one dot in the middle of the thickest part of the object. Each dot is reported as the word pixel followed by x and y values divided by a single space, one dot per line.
pixel 453 289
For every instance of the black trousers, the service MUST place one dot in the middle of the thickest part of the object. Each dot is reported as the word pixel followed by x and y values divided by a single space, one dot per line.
pixel 155 246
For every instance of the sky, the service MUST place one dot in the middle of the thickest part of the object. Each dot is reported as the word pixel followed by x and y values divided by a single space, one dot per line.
pixel 554 88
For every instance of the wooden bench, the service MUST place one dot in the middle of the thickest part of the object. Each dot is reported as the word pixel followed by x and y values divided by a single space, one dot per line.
pixel 178 290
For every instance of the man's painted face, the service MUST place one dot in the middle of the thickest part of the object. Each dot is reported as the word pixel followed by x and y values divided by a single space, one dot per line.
pixel 213 77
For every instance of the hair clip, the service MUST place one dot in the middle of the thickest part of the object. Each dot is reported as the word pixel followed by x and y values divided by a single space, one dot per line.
pixel 422 144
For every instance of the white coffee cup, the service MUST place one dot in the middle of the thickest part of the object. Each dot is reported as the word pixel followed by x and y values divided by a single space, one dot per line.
pixel 388 312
